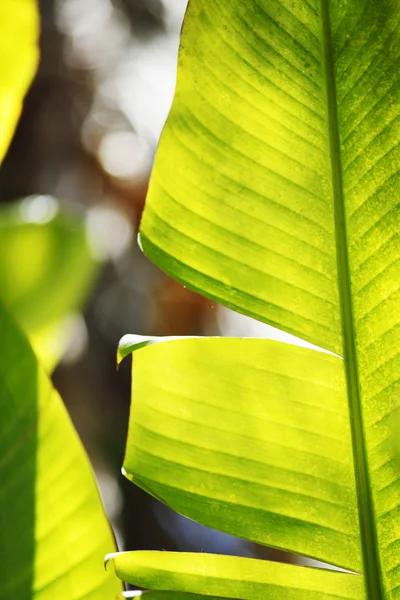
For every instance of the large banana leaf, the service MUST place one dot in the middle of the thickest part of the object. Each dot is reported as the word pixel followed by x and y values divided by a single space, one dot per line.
pixel 53 532
pixel 18 59
pixel 276 192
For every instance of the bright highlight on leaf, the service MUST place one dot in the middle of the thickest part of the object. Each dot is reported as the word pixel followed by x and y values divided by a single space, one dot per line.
pixel 131 342
pixel 276 192
pixel 18 60
pixel 53 531
pixel 232 577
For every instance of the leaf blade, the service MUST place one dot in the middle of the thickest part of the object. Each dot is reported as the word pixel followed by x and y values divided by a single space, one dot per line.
pixel 210 230
pixel 49 503
pixel 368 110
pixel 233 577
pixel 204 439
pixel 245 143
pixel 19 56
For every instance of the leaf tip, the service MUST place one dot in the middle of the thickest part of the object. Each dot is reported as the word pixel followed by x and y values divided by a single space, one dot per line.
pixel 139 242
pixel 131 342
pixel 125 473
pixel 109 558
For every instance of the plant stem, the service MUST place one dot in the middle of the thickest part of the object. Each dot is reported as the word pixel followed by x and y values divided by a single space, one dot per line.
pixel 369 540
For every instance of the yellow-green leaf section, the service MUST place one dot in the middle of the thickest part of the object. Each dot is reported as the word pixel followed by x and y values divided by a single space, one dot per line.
pixel 232 577
pixel 19 31
pixel 276 192
pixel 151 595
pixel 53 531
pixel 251 437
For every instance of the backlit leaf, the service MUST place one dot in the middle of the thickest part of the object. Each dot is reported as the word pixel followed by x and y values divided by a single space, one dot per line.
pixel 53 531
pixel 18 60
pixel 276 192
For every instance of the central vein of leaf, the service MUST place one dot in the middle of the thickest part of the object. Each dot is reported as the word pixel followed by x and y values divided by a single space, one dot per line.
pixel 369 541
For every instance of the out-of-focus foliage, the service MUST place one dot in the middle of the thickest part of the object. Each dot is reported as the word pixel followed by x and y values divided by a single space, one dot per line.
pixel 46 269
pixel 276 192
pixel 53 531
pixel 18 60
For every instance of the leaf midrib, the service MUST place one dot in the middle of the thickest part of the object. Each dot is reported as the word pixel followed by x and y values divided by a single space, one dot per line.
pixel 369 540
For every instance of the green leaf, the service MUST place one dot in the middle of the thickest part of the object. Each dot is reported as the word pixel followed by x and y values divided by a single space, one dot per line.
pixel 53 532
pixel 46 269
pixel 238 434
pixel 233 577
pixel 151 595
pixel 276 192
pixel 242 204
pixel 18 60
pixel 131 342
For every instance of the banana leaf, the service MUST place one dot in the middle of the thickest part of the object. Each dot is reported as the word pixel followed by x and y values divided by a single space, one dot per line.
pixel 19 54
pixel 53 531
pixel 276 192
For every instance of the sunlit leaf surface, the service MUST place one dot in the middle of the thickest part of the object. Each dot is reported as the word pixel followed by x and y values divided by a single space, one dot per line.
pixel 19 27
pixel 151 595
pixel 53 532
pixel 276 192
pixel 232 577
pixel 240 433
